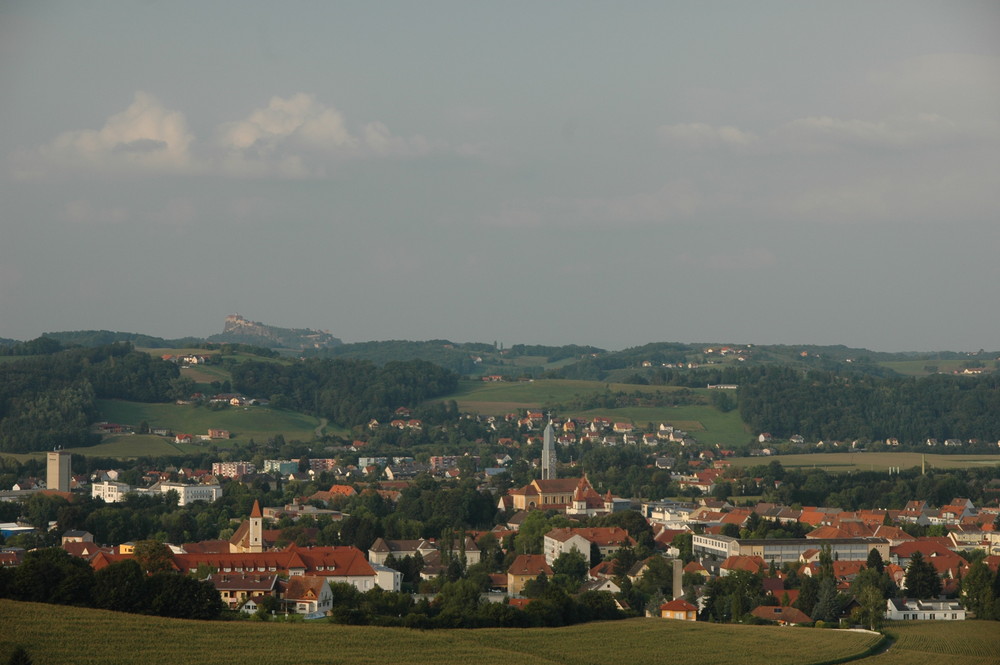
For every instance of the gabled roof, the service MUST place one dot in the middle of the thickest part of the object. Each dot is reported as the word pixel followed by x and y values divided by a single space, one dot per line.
pixel 695 567
pixel 780 614
pixel 679 605
pixel 529 564
pixel 754 564
pixel 304 587
pixel 339 561
pixel 601 536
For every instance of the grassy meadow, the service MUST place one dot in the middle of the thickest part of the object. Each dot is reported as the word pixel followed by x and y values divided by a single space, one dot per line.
pixel 705 422
pixel 56 634
pixel 847 461
pixel 243 422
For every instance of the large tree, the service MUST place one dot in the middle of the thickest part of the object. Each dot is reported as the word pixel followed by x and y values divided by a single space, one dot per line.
pixel 922 580
pixel 977 591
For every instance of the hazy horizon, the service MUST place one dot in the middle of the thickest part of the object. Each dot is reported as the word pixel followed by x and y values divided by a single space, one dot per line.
pixel 555 173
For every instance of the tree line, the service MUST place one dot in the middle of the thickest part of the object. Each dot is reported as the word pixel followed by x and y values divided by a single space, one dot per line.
pixel 141 585
pixel 348 392
pixel 824 405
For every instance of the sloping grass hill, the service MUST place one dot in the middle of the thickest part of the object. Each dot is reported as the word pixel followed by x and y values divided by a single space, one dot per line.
pixel 56 634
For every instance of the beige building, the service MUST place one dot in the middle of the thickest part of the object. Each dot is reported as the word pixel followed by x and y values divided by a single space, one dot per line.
pixel 58 471
pixel 525 567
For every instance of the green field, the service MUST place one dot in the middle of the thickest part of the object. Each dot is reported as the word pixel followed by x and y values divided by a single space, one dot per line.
pixel 846 461
pixel 704 422
pixel 941 643
pixel 56 634
pixel 243 422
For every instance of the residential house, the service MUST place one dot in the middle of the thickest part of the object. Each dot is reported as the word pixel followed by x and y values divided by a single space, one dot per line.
pixel 901 609
pixel 525 567
pixel 236 588
pixel 566 539
pixel 308 594
pixel 680 610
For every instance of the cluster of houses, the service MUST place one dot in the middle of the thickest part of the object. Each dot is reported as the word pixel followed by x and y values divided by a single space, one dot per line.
pixel 849 537
pixel 247 568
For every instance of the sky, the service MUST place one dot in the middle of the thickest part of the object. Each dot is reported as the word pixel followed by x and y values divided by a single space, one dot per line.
pixel 609 174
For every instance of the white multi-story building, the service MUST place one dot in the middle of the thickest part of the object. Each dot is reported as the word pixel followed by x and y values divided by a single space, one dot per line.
pixel 786 550
pixel 110 491
pixel 191 493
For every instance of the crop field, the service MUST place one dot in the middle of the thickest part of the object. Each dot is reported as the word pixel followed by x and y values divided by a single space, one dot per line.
pixel 847 462
pixel 205 374
pixel 941 643
pixel 56 634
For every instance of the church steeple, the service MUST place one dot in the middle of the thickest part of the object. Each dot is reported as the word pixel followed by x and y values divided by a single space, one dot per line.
pixel 255 537
pixel 548 453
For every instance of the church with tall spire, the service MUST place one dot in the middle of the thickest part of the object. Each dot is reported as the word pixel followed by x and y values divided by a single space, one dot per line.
pixel 548 453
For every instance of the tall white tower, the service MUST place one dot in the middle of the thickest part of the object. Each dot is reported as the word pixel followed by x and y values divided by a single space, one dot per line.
pixel 57 476
pixel 548 454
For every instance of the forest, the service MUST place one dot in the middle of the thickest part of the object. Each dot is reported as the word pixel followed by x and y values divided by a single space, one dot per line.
pixel 348 392
pixel 824 405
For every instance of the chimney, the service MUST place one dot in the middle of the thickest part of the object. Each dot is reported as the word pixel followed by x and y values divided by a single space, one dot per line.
pixel 678 576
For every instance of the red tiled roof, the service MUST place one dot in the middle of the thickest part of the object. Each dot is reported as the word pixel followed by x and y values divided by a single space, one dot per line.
pixel 529 564
pixel 781 614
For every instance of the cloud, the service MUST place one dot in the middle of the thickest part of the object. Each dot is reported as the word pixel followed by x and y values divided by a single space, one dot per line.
pixel 294 137
pixel 700 136
pixel 301 137
pixel 145 136
pixel 299 120
pixel 897 132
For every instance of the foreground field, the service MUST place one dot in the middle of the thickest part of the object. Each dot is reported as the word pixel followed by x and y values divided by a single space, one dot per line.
pixel 846 461
pixel 55 634
pixel 942 643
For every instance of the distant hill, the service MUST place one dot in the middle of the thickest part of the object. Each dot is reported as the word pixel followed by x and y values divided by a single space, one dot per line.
pixel 92 338
pixel 468 358
pixel 239 330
